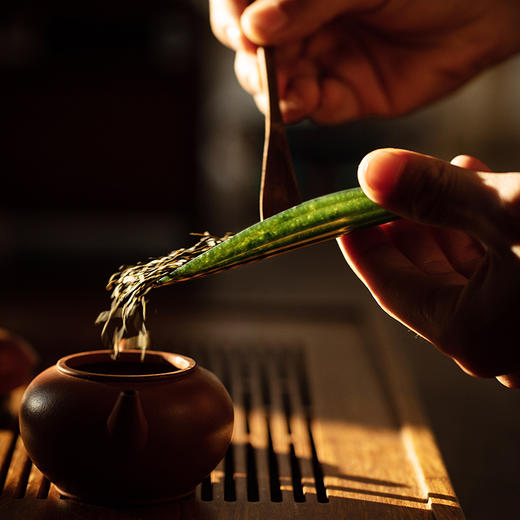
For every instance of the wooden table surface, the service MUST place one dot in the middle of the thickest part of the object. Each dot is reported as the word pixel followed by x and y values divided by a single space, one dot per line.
pixel 327 426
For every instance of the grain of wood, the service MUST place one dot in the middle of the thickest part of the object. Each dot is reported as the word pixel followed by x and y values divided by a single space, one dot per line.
pixel 417 435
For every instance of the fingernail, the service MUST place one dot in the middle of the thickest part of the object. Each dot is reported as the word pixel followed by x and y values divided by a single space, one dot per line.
pixel 379 172
pixel 269 19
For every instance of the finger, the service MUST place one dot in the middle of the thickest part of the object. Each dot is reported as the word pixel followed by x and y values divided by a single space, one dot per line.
pixel 261 102
pixel 510 380
pixel 431 191
pixel 224 16
pixel 247 73
pixel 271 22
pixel 301 98
pixel 418 244
pixel 339 102
pixel 506 185
pixel 470 163
pixel 299 89
pixel 462 251
pixel 417 299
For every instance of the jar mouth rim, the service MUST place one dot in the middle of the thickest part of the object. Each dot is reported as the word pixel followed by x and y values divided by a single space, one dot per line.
pixel 88 365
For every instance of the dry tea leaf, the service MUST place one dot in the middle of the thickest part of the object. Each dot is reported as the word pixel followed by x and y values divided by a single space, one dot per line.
pixel 131 284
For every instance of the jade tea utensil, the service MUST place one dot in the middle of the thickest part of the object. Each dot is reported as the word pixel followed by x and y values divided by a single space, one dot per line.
pixel 308 223
pixel 278 189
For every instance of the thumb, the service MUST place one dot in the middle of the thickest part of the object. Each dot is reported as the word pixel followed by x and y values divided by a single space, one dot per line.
pixel 271 22
pixel 433 192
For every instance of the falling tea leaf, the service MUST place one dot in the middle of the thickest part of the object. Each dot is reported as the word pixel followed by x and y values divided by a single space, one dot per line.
pixel 130 285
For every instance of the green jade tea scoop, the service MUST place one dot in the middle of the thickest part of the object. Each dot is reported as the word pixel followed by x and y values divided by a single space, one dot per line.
pixel 313 221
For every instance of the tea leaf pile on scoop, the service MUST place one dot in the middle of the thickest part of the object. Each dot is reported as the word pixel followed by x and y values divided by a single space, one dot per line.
pixel 308 223
pixel 131 284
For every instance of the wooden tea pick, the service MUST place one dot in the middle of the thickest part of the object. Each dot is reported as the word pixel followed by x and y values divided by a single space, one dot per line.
pixel 278 189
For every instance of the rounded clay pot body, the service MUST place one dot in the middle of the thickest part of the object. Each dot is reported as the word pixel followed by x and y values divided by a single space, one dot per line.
pixel 126 432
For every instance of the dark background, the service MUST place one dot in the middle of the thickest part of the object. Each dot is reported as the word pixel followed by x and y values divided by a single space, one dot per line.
pixel 122 130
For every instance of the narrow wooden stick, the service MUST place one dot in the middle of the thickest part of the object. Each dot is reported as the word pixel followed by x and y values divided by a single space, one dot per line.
pixel 278 188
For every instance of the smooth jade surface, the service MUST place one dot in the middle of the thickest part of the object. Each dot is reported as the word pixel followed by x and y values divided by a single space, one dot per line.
pixel 311 222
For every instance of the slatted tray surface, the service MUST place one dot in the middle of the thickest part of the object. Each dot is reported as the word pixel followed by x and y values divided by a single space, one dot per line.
pixel 326 426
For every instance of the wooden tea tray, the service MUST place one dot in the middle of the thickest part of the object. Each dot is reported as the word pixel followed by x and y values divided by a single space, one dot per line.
pixel 327 426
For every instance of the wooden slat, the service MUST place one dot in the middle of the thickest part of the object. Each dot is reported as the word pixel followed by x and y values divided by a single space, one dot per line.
pixel 36 483
pixel 7 438
pixel 15 481
pixel 300 435
pixel 54 494
pixel 258 427
pixel 278 426
pixel 240 436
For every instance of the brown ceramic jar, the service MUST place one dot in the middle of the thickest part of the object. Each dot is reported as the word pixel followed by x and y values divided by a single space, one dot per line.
pixel 126 432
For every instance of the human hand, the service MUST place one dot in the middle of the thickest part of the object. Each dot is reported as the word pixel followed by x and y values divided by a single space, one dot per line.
pixel 339 60
pixel 450 270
